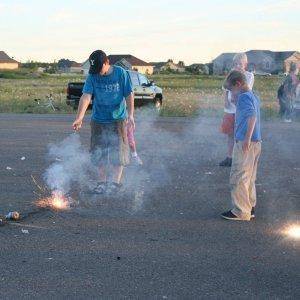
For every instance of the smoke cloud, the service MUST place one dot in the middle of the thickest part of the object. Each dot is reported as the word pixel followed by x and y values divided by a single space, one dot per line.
pixel 72 165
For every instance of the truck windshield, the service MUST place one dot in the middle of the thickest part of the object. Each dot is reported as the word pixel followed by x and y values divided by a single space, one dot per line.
pixel 134 78
pixel 143 80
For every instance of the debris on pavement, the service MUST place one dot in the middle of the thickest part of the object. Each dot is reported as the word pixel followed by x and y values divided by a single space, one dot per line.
pixel 23 158
pixel 8 168
pixel 25 231
pixel 2 221
pixel 13 215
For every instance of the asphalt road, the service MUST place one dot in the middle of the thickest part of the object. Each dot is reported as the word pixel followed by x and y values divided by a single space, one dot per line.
pixel 162 238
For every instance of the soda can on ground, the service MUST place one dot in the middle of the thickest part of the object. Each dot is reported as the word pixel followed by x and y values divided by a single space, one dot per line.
pixel 13 215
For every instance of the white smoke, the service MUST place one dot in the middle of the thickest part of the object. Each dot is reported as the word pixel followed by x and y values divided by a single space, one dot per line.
pixel 72 165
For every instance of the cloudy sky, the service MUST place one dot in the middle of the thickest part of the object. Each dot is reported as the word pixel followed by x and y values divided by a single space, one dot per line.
pixel 154 30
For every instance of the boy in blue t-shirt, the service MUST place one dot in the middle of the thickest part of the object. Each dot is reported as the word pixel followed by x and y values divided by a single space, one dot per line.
pixel 247 148
pixel 112 92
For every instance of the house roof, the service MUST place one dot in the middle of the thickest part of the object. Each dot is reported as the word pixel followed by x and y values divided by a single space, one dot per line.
pixel 259 54
pixel 75 64
pixel 4 58
pixel 225 56
pixel 124 64
pixel 134 61
pixel 283 55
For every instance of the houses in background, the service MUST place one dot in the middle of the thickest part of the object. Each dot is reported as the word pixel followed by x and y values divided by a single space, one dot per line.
pixel 259 61
pixel 136 64
pixel 199 69
pixel 126 61
pixel 7 63
pixel 69 66
pixel 168 66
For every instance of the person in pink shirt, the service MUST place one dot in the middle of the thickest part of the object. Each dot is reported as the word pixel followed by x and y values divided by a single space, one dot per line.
pixel 135 159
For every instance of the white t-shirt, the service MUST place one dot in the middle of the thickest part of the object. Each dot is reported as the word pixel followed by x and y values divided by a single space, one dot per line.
pixel 231 109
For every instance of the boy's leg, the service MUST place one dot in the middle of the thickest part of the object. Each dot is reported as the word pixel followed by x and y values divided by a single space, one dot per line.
pixel 99 149
pixel 102 173
pixel 117 174
pixel 119 152
pixel 240 176
pixel 230 145
pixel 252 188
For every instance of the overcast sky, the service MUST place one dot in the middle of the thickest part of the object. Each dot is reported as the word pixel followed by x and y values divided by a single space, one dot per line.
pixel 153 30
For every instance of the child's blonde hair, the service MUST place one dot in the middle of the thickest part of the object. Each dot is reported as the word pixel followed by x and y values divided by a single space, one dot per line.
pixel 240 57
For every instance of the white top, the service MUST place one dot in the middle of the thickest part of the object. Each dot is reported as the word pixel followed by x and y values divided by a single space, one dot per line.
pixel 231 109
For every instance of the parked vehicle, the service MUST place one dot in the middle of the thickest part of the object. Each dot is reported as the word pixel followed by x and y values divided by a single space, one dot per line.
pixel 145 91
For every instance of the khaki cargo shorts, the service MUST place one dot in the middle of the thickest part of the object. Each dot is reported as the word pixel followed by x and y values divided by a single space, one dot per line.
pixel 109 143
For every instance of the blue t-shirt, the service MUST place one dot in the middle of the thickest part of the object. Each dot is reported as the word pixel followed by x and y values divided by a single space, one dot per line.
pixel 109 91
pixel 248 105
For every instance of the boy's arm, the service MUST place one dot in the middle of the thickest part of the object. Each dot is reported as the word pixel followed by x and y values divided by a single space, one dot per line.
pixel 250 128
pixel 84 102
pixel 130 105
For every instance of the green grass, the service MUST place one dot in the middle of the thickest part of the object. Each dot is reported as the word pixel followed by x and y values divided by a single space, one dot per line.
pixel 189 95
pixel 18 95
pixel 184 95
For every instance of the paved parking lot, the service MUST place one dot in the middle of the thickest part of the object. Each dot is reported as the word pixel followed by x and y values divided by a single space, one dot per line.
pixel 163 237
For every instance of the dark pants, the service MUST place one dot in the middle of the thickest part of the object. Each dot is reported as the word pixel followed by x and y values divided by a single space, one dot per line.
pixel 286 107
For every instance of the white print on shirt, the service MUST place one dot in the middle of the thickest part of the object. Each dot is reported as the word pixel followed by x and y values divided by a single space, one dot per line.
pixel 110 88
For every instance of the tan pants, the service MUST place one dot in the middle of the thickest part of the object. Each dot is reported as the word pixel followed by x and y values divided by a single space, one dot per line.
pixel 242 179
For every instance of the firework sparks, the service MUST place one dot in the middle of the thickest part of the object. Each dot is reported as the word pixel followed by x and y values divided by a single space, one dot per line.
pixel 57 201
pixel 292 231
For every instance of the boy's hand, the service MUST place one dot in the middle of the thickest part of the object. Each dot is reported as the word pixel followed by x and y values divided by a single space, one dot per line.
pixel 77 124
pixel 246 146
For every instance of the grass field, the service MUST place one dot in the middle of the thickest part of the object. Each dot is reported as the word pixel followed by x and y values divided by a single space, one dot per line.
pixel 184 95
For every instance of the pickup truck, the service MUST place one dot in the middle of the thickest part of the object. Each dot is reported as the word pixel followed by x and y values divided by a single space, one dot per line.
pixel 145 91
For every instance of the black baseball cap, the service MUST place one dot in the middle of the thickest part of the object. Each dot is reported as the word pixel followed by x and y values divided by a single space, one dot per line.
pixel 97 59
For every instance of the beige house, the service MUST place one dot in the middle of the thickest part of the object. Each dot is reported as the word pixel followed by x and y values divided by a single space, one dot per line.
pixel 259 61
pixel 7 63
pixel 136 63
pixel 126 60
pixel 294 58
pixel 75 67
pixel 169 66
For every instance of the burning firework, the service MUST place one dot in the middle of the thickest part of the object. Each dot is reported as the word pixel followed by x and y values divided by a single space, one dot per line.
pixel 57 201
pixel 292 231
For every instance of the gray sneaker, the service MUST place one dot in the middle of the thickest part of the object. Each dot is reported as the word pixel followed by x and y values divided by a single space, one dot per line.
pixel 136 160
pixel 101 188
pixel 113 188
